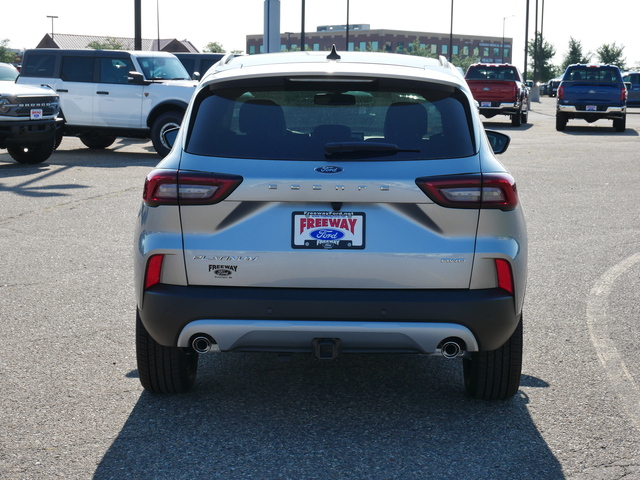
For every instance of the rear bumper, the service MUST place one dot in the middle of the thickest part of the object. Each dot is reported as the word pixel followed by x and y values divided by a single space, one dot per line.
pixel 287 319
pixel 603 112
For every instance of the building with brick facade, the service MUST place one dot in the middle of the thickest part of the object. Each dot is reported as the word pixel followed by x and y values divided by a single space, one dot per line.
pixel 362 38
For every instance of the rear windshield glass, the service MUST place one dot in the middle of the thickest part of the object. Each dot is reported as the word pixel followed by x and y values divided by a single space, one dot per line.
pixel 592 74
pixel 491 73
pixel 311 119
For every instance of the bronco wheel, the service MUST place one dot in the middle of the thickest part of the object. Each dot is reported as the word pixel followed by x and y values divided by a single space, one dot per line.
pixel 163 369
pixel 164 122
pixel 495 375
pixel 97 141
pixel 32 154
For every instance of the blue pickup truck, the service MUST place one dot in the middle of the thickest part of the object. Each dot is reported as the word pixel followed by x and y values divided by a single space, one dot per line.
pixel 592 92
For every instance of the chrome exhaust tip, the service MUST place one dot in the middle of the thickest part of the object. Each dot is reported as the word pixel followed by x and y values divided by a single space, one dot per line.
pixel 201 344
pixel 451 349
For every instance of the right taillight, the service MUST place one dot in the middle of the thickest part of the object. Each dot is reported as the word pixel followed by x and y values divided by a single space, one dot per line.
pixel 623 94
pixel 504 275
pixel 489 190
pixel 170 187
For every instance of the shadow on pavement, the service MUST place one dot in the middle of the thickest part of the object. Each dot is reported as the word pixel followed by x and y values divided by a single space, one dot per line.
pixel 365 417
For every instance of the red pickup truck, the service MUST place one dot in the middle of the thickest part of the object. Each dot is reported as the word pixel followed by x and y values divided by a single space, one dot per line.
pixel 499 89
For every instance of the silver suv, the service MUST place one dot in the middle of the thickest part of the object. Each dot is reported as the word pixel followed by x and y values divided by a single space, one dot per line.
pixel 332 204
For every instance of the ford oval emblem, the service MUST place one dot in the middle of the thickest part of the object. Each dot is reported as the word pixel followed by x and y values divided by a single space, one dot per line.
pixel 329 169
pixel 327 234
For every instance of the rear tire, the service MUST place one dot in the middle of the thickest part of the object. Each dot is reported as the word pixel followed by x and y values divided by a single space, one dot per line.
pixel 32 154
pixel 163 369
pixel 97 142
pixel 620 124
pixel 516 119
pixel 495 375
pixel 561 121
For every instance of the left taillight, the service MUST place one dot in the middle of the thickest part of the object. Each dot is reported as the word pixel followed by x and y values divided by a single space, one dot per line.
pixel 489 190
pixel 170 187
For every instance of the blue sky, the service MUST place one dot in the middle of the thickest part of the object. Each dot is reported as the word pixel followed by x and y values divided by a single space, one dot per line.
pixel 228 22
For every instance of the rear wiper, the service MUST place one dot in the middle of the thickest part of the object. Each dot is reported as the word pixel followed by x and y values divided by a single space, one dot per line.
pixel 364 148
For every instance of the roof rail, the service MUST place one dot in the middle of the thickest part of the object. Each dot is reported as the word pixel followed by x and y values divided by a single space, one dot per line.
pixel 226 59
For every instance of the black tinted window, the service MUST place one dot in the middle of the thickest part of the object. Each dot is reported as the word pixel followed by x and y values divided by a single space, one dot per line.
pixel 39 66
pixel 491 73
pixel 592 74
pixel 77 69
pixel 115 70
pixel 319 120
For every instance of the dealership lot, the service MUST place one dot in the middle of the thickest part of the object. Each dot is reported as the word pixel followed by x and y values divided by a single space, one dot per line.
pixel 72 405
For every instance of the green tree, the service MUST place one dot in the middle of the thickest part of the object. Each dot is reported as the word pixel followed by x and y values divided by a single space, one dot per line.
pixel 109 43
pixel 421 51
pixel 214 47
pixel 575 54
pixel 6 56
pixel 464 62
pixel 543 54
pixel 612 55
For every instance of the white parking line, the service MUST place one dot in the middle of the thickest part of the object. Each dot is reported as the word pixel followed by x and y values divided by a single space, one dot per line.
pixel 623 383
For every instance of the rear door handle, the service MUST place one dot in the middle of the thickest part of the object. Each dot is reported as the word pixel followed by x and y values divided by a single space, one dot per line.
pixel 102 93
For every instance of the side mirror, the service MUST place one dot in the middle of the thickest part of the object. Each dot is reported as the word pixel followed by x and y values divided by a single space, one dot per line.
pixel 196 76
pixel 136 78
pixel 499 141
pixel 169 136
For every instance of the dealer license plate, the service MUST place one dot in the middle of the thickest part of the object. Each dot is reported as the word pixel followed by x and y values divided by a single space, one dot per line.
pixel 592 108
pixel 36 114
pixel 485 104
pixel 328 230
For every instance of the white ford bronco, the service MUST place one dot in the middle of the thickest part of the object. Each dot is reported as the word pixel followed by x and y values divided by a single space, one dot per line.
pixel 27 118
pixel 105 94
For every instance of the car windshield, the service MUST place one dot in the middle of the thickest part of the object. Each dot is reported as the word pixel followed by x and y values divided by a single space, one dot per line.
pixel 316 119
pixel 8 73
pixel 162 68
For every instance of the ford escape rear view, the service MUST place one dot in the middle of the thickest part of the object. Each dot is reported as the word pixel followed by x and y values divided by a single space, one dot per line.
pixel 331 204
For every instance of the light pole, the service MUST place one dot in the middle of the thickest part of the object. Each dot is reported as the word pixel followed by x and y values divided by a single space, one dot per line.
pixel 451 32
pixel 503 20
pixel 51 17
pixel 347 46
pixel 302 29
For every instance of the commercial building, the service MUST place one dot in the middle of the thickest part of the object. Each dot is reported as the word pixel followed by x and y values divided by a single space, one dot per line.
pixel 362 38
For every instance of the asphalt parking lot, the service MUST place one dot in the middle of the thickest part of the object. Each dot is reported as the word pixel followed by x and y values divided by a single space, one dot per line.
pixel 72 406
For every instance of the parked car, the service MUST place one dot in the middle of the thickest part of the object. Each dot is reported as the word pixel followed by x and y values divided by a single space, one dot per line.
pixel 105 94
pixel 552 90
pixel 197 64
pixel 632 82
pixel 332 204
pixel 28 118
pixel 591 93
pixel 499 89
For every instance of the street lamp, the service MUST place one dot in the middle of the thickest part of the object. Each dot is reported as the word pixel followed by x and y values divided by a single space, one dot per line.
pixel 503 20
pixel 347 37
pixel 451 32
pixel 51 17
